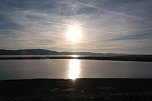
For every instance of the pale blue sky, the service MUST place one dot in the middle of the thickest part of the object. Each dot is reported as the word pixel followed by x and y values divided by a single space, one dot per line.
pixel 117 26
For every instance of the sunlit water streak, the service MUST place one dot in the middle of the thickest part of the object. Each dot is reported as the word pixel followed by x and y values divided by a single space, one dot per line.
pixel 74 69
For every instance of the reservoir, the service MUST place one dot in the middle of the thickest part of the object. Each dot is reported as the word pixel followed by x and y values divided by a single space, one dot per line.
pixel 73 68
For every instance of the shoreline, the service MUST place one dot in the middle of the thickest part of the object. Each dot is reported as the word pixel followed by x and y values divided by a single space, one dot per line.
pixel 112 58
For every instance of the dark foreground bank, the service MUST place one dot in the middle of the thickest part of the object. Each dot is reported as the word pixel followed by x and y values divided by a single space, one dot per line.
pixel 78 90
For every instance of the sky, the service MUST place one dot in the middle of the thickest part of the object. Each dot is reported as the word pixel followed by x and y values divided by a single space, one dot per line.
pixel 107 26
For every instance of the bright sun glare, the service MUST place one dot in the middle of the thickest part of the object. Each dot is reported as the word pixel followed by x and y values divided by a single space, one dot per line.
pixel 74 69
pixel 74 33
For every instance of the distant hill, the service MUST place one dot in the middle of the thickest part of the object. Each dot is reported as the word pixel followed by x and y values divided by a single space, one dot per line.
pixel 27 52
pixel 46 52
pixel 50 52
pixel 84 55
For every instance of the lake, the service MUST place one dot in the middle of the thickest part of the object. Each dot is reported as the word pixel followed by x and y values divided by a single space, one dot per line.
pixel 73 68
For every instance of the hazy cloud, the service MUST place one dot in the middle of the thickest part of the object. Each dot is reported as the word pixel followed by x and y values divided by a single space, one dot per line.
pixel 108 25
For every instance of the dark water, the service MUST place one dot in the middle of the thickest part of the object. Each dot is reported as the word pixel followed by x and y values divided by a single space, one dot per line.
pixel 73 68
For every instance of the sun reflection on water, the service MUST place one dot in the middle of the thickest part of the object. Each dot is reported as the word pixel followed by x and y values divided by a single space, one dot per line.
pixel 74 69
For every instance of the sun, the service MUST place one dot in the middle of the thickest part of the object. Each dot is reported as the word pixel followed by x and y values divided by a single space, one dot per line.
pixel 74 33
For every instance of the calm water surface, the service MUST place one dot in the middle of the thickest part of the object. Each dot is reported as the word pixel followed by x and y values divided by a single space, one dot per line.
pixel 73 68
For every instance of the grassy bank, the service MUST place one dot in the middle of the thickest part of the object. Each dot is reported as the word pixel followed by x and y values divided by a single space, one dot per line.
pixel 80 89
